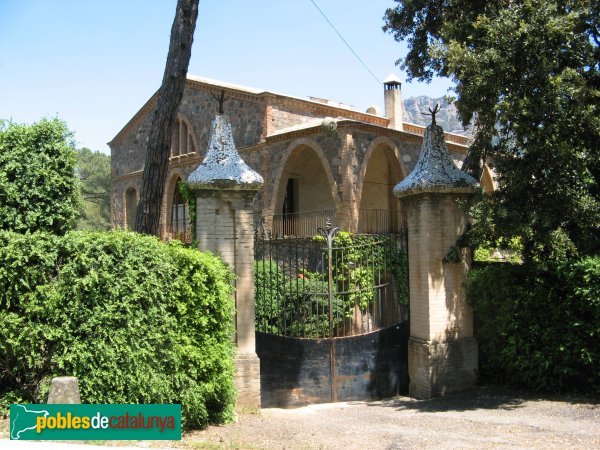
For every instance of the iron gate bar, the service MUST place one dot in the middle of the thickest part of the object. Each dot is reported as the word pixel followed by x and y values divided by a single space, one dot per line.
pixel 329 234
pixel 298 294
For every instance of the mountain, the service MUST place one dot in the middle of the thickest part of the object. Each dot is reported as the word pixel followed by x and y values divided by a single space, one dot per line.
pixel 447 116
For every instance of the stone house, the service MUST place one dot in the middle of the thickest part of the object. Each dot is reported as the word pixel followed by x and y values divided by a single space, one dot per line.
pixel 319 159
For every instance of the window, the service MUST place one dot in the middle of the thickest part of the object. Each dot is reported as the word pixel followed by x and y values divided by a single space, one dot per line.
pixel 130 208
pixel 179 217
pixel 182 141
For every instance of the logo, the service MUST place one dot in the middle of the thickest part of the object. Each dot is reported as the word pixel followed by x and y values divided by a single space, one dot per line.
pixel 95 422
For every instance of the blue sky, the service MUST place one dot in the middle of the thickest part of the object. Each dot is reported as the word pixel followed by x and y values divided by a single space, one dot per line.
pixel 94 63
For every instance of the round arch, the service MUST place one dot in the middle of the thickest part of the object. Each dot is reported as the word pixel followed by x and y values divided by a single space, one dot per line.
pixel 167 202
pixel 487 181
pixel 131 198
pixel 280 181
pixel 381 170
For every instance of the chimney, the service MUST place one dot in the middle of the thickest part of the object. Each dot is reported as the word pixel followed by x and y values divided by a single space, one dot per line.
pixel 393 101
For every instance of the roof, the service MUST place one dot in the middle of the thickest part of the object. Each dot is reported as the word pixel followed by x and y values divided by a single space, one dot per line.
pixel 392 78
pixel 333 109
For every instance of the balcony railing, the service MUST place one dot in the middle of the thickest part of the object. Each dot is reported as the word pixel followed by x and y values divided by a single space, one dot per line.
pixel 301 224
pixel 379 221
pixel 306 223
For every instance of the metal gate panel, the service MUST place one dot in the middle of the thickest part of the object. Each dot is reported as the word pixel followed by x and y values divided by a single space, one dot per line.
pixel 298 372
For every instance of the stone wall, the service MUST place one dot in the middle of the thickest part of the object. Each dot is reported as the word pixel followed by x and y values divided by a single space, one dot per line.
pixel 254 117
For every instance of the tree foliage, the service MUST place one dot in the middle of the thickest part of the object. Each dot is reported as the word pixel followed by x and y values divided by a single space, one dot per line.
pixel 528 72
pixel 38 186
pixel 93 171
pixel 539 328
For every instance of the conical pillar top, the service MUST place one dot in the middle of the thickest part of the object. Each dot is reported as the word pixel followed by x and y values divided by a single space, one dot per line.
pixel 223 167
pixel 435 171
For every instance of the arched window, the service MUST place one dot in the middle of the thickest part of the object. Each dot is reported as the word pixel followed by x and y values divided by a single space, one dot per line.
pixel 182 141
pixel 179 216
pixel 130 207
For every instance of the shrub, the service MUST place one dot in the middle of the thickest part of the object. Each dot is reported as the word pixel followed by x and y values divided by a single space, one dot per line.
pixel 38 185
pixel 135 319
pixel 296 306
pixel 539 327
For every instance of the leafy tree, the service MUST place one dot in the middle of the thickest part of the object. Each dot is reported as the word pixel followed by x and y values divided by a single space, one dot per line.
pixel 528 72
pixel 93 170
pixel 38 186
pixel 163 119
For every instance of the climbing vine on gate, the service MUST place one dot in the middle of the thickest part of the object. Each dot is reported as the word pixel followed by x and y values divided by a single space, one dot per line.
pixel 293 299
pixel 358 262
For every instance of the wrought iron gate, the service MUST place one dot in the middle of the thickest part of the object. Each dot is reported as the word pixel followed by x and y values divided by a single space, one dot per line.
pixel 331 317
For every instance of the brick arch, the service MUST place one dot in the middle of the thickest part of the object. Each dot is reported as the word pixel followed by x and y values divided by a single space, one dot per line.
pixel 487 181
pixel 132 185
pixel 167 201
pixel 299 143
pixel 399 169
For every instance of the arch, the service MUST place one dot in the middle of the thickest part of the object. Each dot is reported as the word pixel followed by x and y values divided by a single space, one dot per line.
pixel 276 200
pixel 378 142
pixel 305 191
pixel 487 181
pixel 131 201
pixel 170 194
pixel 183 139
pixel 381 170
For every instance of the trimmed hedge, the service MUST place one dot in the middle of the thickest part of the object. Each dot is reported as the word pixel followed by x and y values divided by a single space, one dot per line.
pixel 539 327
pixel 135 319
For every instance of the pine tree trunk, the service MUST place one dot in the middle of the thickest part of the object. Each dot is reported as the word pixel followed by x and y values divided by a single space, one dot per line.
pixel 165 113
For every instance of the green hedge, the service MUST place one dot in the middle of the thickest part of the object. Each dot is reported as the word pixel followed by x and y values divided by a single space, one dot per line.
pixel 135 319
pixel 38 185
pixel 539 327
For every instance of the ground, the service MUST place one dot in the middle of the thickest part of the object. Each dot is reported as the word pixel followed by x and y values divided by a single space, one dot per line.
pixel 480 418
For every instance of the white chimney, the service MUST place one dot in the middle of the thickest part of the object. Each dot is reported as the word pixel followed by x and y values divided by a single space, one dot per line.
pixel 393 101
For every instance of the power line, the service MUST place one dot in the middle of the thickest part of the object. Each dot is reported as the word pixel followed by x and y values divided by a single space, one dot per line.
pixel 347 45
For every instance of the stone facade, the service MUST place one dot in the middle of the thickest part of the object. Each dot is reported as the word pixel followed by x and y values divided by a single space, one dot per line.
pixel 281 138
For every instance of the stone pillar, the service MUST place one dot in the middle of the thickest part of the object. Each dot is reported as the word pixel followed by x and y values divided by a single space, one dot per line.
pixel 442 352
pixel 64 390
pixel 225 188
pixel 347 212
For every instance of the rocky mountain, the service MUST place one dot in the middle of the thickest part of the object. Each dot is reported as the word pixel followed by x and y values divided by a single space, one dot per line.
pixel 447 117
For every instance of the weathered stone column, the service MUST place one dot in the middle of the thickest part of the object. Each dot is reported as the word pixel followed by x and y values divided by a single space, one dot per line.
pixel 225 188
pixel 442 352
pixel 64 390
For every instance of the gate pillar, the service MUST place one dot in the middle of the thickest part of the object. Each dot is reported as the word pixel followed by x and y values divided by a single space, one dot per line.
pixel 225 187
pixel 442 352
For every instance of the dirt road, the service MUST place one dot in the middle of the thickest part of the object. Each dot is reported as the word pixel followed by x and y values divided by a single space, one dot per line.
pixel 477 419
pixel 481 418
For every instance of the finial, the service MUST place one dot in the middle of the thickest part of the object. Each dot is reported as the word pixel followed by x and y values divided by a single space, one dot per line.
pixel 433 112
pixel 221 99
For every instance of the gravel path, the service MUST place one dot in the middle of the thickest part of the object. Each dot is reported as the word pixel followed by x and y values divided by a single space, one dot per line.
pixel 480 418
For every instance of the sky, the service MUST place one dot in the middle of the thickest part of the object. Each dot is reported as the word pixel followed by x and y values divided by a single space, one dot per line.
pixel 95 63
